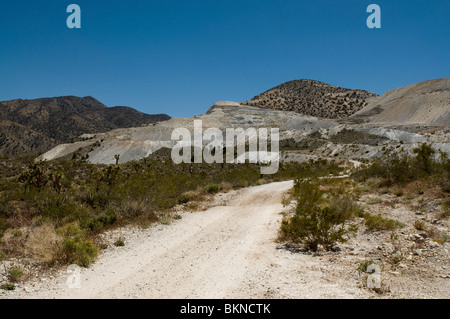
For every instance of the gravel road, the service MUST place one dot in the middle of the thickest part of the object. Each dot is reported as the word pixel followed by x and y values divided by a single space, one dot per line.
pixel 206 254
pixel 230 251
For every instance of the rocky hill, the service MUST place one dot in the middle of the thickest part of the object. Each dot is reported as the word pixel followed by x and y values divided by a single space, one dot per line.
pixel 31 126
pixel 313 98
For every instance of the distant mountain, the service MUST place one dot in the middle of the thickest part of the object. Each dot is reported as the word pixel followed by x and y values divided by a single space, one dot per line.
pixel 425 102
pixel 313 98
pixel 32 126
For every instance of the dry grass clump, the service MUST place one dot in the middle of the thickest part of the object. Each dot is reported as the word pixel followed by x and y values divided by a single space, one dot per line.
pixel 13 241
pixel 43 243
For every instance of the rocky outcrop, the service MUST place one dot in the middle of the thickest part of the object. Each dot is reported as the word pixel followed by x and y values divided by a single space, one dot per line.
pixel 313 98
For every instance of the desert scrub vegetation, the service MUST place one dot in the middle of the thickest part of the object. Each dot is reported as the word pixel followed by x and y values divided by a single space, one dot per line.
pixel 379 223
pixel 55 211
pixel 212 188
pixel 8 286
pixel 318 221
pixel 374 200
pixel 419 225
pixel 445 209
pixel 424 173
pixel 399 169
pixel 364 265
pixel 15 274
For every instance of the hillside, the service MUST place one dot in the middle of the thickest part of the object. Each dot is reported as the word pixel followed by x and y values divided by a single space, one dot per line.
pixel 28 126
pixel 313 98
pixel 425 102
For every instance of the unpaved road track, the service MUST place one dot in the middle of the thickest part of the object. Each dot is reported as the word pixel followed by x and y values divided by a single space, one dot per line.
pixel 205 255
pixel 224 252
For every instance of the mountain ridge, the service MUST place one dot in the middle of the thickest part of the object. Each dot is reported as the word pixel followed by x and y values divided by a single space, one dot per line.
pixel 58 120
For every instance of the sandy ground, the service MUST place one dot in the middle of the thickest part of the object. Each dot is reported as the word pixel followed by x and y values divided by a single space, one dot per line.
pixel 230 251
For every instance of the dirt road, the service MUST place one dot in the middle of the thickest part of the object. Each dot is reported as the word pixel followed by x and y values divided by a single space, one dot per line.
pixel 224 252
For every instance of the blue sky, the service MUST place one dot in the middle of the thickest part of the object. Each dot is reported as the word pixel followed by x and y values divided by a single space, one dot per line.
pixel 179 57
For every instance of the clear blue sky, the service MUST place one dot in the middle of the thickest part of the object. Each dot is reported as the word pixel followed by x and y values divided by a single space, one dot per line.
pixel 179 57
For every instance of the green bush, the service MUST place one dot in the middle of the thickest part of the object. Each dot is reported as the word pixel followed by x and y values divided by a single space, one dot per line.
pixel 8 287
pixel 3 227
pixel 75 249
pixel 314 224
pixel 424 159
pixel 212 188
pixel 80 252
pixel 445 209
pixel 362 266
pixel 35 176
pixel 100 222
pixel 400 168
pixel 119 242
pixel 343 204
pixel 378 223
pixel 15 274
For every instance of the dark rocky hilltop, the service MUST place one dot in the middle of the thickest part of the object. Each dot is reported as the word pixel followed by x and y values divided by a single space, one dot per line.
pixel 33 126
pixel 313 98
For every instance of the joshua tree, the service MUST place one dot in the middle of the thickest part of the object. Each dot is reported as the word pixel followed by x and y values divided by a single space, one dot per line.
pixel 117 156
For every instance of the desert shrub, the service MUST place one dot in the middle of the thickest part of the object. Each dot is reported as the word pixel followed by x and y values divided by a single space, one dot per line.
pixel 80 252
pixel 15 273
pixel 225 186
pixel 75 249
pixel 98 223
pixel 439 237
pixel 212 188
pixel 97 199
pixel 400 168
pixel 374 200
pixel 445 210
pixel 189 196
pixel 132 208
pixel 419 225
pixel 378 223
pixel 165 220
pixel 424 159
pixel 109 174
pixel 3 226
pixel 8 286
pixel 44 244
pixel 13 241
pixel 397 191
pixel 362 266
pixel 119 242
pixel 35 176
pixel 344 204
pixel 313 224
